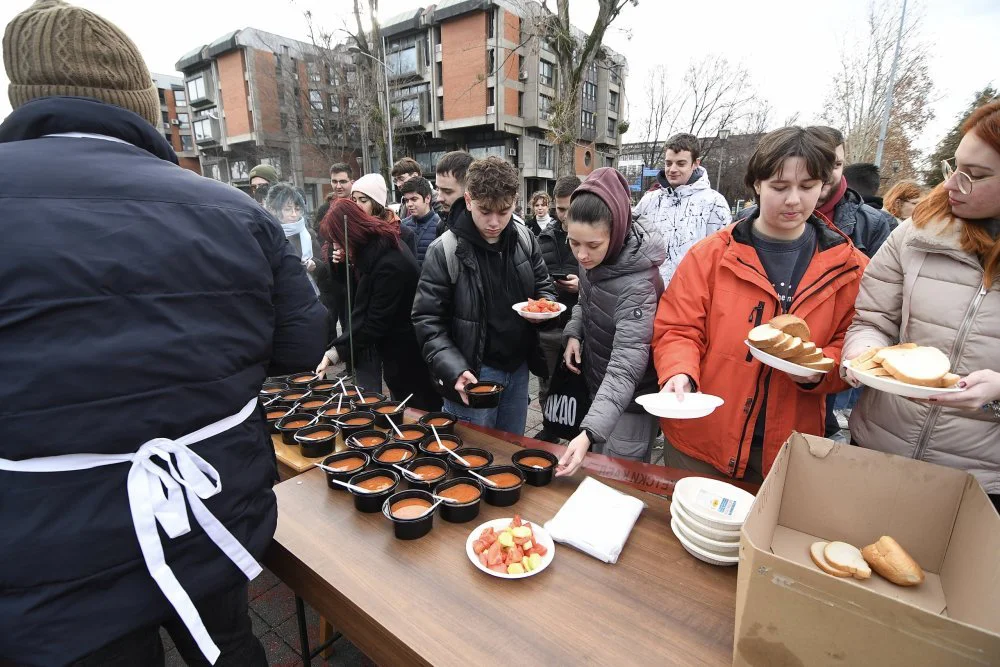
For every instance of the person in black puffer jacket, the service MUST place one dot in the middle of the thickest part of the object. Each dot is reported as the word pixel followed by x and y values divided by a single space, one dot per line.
pixel 462 314
pixel 142 304
pixel 612 325
pixel 564 270
pixel 385 277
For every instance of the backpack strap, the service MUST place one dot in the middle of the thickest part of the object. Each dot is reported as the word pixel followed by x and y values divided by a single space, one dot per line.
pixel 449 243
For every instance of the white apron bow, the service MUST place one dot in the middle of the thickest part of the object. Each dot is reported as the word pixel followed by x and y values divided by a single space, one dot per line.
pixel 155 496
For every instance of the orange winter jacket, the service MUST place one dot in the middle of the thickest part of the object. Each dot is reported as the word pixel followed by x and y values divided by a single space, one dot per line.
pixel 719 292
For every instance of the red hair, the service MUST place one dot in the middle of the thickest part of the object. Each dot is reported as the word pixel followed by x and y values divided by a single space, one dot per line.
pixel 975 240
pixel 362 229
pixel 900 192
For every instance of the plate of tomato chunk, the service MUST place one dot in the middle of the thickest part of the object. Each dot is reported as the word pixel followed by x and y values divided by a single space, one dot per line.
pixel 539 310
pixel 510 548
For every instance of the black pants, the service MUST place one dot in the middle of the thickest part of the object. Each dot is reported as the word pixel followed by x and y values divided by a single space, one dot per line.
pixel 224 615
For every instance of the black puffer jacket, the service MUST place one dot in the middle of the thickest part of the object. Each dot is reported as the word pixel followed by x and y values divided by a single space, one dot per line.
pixel 450 318
pixel 867 227
pixel 140 301
pixel 559 259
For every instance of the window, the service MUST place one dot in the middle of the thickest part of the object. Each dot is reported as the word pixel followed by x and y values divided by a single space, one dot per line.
pixel 491 96
pixel 403 61
pixel 520 104
pixel 277 65
pixel 318 126
pixel 439 70
pixel 589 122
pixel 163 95
pixel 589 91
pixel 185 120
pixel 238 170
pixel 546 73
pixel 609 161
pixel 180 97
pixel 612 127
pixel 196 89
pixel 491 62
pixel 520 64
pixel 316 100
pixel 203 129
pixel 587 158
pixel 187 143
pixel 613 100
pixel 313 71
pixel 331 75
pixel 544 106
pixel 614 75
pixel 284 120
pixel 334 103
pixel 490 22
pixel 408 110
pixel 545 157
pixel 592 71
pixel 166 119
pixel 441 107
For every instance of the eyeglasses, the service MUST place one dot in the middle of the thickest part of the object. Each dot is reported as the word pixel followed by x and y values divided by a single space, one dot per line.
pixel 343 182
pixel 962 179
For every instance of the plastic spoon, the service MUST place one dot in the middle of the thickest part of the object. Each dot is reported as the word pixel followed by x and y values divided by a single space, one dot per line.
pixel 356 489
pixel 394 427
pixel 468 465
pixel 406 471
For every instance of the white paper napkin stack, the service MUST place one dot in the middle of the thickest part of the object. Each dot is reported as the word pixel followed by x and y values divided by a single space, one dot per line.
pixel 596 519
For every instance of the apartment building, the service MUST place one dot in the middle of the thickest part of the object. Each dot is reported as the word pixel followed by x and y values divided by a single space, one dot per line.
pixel 470 74
pixel 256 97
pixel 176 120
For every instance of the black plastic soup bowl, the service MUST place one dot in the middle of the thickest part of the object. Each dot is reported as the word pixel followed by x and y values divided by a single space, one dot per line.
pixel 372 502
pixel 502 497
pixel 409 529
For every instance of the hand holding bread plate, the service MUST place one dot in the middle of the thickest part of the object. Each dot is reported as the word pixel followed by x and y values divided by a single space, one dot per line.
pixel 906 370
pixel 785 344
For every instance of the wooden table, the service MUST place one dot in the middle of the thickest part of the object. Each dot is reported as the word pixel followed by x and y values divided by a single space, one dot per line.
pixel 424 602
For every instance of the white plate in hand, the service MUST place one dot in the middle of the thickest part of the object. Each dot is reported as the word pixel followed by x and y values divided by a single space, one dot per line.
pixel 780 364
pixel 538 317
pixel 693 406
pixel 891 385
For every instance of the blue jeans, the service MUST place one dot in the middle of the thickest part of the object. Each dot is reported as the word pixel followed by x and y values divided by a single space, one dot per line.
pixel 511 414
pixel 847 399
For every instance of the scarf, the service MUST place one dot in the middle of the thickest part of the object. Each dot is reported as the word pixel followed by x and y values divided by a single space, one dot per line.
pixel 827 209
pixel 299 227
pixel 543 222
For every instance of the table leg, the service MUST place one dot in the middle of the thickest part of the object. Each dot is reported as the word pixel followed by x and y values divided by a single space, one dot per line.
pixel 325 633
pixel 300 614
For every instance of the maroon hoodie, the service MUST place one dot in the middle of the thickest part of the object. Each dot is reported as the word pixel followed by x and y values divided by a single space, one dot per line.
pixel 612 188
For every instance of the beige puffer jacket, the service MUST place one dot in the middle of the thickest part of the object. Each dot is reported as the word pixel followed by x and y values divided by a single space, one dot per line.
pixel 922 288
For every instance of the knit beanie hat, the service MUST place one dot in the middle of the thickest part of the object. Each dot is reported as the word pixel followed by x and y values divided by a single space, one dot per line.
pixel 265 171
pixel 373 186
pixel 52 49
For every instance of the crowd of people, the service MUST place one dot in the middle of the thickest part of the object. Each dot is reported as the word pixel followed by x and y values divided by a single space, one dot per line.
pixel 175 296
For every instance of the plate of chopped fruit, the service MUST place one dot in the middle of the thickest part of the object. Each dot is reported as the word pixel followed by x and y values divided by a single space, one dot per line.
pixel 510 548
pixel 539 310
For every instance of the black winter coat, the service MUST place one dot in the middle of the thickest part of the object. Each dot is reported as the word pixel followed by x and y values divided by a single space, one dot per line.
pixel 450 319
pixel 559 259
pixel 385 283
pixel 139 301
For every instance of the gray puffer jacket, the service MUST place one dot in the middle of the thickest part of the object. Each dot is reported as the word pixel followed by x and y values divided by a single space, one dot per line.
pixel 614 320
pixel 923 288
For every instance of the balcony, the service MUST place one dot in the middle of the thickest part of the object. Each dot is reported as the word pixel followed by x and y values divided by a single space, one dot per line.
pixel 412 111
pixel 206 131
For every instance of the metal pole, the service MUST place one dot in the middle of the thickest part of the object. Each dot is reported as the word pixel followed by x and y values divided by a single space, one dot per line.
pixel 888 93
pixel 722 156
pixel 388 123
pixel 350 305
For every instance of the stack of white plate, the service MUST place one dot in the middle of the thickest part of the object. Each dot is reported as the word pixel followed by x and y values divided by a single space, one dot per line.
pixel 706 516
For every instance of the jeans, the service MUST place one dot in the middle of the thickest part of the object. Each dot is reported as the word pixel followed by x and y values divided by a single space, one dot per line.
pixel 227 620
pixel 512 413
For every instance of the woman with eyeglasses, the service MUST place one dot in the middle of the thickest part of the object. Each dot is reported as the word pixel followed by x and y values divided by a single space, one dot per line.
pixel 286 204
pixel 936 282
pixel 902 198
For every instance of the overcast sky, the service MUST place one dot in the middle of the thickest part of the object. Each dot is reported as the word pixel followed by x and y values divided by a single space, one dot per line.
pixel 790 47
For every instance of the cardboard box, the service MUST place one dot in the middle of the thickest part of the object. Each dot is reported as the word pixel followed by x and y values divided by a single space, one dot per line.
pixel 789 612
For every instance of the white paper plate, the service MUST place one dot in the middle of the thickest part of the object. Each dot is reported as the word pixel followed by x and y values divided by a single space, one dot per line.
pixel 541 536
pixel 714 547
pixel 729 537
pixel 891 385
pixel 538 317
pixel 713 502
pixel 665 404
pixel 781 364
pixel 701 554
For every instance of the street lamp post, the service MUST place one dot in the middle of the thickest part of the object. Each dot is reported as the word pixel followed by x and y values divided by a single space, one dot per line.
pixel 723 136
pixel 388 111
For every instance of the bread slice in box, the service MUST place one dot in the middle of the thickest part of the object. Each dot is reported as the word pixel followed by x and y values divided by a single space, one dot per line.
pixel 847 558
pixel 816 553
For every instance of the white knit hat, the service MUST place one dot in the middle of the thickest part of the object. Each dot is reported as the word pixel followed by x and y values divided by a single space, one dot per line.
pixel 373 186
